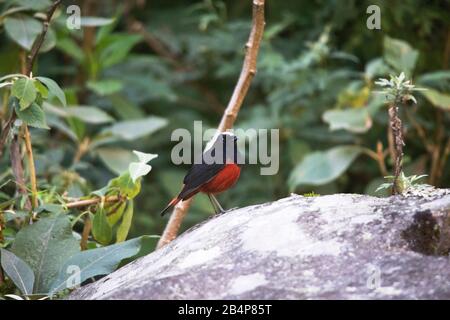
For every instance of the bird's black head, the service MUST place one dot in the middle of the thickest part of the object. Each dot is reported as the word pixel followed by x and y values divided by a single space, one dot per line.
pixel 225 148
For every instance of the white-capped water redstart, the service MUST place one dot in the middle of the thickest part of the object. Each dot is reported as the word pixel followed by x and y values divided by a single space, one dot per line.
pixel 218 171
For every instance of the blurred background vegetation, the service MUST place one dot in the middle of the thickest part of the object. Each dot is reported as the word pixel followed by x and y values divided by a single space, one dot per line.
pixel 144 68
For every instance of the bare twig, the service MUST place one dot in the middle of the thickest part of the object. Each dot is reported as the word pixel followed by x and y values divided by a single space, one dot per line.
pixel 229 117
pixel 89 202
pixel 40 39
pixel 379 157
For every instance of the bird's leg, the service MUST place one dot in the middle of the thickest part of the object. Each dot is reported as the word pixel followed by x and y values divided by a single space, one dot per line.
pixel 216 209
pixel 214 199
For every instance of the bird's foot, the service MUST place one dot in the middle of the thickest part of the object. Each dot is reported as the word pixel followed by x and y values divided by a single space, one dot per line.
pixel 225 211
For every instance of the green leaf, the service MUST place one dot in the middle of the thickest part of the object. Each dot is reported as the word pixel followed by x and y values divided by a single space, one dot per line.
pixel 114 212
pixel 400 55
pixel 434 77
pixel 95 21
pixel 124 228
pixel 118 49
pixel 134 129
pixel 126 185
pixel 322 167
pixel 101 229
pixel 24 90
pixel 89 114
pixel 437 99
pixel 23 30
pixel 45 246
pixel 54 89
pixel 34 4
pixel 18 271
pixel 354 120
pixel 96 262
pixel 70 48
pixel 116 159
pixel 105 87
pixel 33 116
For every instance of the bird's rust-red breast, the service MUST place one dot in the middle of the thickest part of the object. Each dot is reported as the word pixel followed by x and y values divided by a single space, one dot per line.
pixel 224 180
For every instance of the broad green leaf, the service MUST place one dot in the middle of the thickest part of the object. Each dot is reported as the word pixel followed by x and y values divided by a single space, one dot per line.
pixel 45 246
pixel 34 4
pixel 96 262
pixel 116 159
pixel 437 98
pixel 400 55
pixel 105 87
pixel 18 271
pixel 89 114
pixel 54 89
pixel 138 169
pixel 71 48
pixel 144 157
pixel 118 49
pixel 101 230
pixel 41 89
pixel 322 167
pixel 33 116
pixel 133 129
pixel 436 77
pixel 24 90
pixel 23 30
pixel 354 120
pixel 95 21
pixel 377 67
pixel 124 228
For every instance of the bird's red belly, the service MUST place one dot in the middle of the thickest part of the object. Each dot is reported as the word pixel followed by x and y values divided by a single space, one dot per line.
pixel 224 180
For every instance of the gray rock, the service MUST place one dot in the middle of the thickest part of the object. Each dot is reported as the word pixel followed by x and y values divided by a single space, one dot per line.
pixel 342 246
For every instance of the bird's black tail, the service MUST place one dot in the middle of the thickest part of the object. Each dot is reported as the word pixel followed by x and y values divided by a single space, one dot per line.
pixel 170 205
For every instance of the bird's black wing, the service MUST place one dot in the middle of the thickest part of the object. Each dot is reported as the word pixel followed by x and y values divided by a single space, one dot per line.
pixel 198 175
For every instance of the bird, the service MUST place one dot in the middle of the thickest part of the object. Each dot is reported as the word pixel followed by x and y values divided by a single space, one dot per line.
pixel 212 177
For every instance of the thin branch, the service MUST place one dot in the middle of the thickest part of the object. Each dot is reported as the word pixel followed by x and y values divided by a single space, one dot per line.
pixel 174 223
pixel 40 39
pixel 89 202
pixel 229 117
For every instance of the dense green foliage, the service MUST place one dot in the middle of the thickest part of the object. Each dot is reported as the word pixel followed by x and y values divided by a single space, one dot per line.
pixel 126 80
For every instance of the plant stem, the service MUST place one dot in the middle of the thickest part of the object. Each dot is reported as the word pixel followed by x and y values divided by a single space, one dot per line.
pixel 397 134
pixel 86 231
pixel 2 226
pixel 229 117
pixel 17 169
pixel 2 277
pixel 29 150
